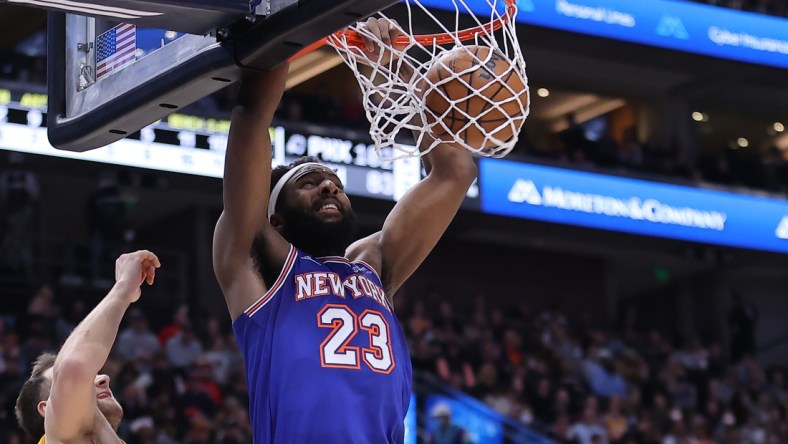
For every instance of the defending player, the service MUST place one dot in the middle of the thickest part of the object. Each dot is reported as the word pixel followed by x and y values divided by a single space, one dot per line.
pixel 66 400
pixel 326 359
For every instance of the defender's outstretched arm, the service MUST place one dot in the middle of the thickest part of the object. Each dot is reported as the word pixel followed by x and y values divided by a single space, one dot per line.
pixel 72 400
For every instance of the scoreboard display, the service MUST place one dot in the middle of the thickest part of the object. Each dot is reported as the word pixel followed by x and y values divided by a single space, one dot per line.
pixel 196 145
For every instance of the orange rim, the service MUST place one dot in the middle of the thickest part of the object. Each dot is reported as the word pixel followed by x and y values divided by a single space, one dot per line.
pixel 354 39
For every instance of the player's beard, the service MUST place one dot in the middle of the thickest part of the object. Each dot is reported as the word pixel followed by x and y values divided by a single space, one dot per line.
pixel 111 409
pixel 318 237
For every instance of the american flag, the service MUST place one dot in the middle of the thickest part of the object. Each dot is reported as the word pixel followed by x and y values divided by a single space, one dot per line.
pixel 115 49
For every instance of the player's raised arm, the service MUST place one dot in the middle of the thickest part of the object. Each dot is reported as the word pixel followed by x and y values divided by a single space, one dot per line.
pixel 423 214
pixel 247 176
pixel 421 217
pixel 71 406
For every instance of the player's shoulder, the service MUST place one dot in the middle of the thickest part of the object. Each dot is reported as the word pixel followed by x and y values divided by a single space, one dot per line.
pixel 363 245
pixel 367 251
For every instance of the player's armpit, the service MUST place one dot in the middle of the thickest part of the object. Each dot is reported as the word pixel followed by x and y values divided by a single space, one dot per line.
pixel 367 249
pixel 239 275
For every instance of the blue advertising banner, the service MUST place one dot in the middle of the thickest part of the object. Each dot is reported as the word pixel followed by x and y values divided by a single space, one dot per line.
pixel 410 422
pixel 633 206
pixel 678 25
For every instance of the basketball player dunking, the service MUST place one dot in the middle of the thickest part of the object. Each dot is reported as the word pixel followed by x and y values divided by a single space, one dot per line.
pixel 66 401
pixel 326 360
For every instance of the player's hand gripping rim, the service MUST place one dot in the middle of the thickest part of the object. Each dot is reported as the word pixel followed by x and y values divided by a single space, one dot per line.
pixel 378 35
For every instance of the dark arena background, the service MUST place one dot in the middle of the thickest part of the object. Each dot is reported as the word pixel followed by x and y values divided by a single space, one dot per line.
pixel 620 277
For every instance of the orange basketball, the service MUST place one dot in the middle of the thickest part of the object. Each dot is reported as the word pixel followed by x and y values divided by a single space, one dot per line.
pixel 482 80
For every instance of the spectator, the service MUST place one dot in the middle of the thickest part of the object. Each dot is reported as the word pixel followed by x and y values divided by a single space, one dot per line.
pixel 616 425
pixel 232 423
pixel 631 149
pixel 752 432
pixel 602 376
pixel 446 432
pixel 542 400
pixel 43 306
pixel 607 149
pixel 108 220
pixel 19 192
pixel 180 318
pixel 486 380
pixel 203 375
pixel 136 341
pixel 64 325
pixel 419 324
pixel 778 388
pixel 742 318
pixel 39 340
pixel 587 429
pixel 446 322
pixel 453 368
pixel 423 357
pixel 195 400
pixel 200 429
pixel 143 431
pixel 682 392
pixel 574 139
pixel 219 357
pixel 184 348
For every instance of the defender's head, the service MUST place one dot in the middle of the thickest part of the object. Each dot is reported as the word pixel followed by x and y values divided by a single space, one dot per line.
pixel 32 401
pixel 309 208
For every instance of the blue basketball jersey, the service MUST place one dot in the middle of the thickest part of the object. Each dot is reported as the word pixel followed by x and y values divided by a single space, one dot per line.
pixel 326 359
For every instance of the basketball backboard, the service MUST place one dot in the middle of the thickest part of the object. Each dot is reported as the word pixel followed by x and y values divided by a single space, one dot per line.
pixel 115 67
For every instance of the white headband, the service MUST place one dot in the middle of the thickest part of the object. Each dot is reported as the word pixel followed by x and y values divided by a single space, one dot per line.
pixel 280 184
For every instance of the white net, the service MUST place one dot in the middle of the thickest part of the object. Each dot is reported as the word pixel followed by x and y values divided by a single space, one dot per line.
pixel 464 89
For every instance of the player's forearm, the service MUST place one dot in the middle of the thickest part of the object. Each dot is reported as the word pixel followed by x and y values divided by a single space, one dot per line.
pixel 88 346
pixel 447 161
pixel 249 142
pixel 247 164
pixel 247 168
pixel 406 72
pixel 260 93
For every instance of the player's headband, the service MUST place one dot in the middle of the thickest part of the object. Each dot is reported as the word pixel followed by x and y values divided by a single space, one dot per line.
pixel 294 174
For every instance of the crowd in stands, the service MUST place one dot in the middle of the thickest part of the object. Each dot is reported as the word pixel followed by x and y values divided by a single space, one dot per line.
pixel 180 377
pixel 655 160
pixel 583 382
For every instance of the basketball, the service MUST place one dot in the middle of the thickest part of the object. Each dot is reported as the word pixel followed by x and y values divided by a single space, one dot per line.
pixel 472 93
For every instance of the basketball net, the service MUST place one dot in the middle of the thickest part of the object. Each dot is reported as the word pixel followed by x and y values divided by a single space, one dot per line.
pixel 394 90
